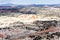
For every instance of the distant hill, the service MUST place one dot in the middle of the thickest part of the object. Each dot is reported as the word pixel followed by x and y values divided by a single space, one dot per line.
pixel 40 5
pixel 9 5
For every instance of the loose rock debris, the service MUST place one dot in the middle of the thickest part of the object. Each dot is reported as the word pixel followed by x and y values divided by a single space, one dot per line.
pixel 39 30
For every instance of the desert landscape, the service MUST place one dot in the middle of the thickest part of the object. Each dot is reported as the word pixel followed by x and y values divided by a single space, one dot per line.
pixel 30 23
